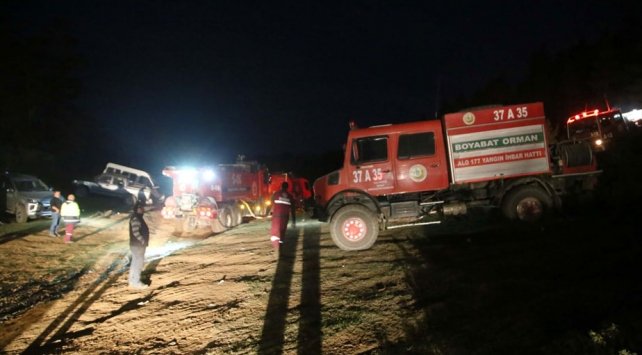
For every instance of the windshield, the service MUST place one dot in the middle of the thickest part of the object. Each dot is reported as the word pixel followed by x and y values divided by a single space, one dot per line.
pixel 604 125
pixel 584 128
pixel 612 124
pixel 30 185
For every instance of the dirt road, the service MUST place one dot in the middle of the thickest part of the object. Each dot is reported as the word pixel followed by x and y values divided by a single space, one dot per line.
pixel 224 294
pixel 464 287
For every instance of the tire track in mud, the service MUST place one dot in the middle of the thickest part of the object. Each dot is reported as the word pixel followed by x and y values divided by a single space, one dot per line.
pixel 16 298
pixel 83 265
pixel 57 331
pixel 200 299
pixel 214 297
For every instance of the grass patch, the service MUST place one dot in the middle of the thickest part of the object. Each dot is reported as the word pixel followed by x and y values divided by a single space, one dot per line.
pixel 513 289
pixel 338 319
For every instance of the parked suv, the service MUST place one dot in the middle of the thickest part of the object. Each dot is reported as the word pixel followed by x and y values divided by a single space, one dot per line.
pixel 27 197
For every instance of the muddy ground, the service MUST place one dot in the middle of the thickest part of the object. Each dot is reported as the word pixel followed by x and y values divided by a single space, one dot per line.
pixel 470 286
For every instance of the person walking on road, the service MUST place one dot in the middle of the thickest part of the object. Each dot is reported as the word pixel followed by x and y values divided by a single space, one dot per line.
pixel 282 207
pixel 56 204
pixel 70 213
pixel 138 241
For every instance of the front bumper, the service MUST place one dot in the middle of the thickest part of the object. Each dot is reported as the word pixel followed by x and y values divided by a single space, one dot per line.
pixel 37 210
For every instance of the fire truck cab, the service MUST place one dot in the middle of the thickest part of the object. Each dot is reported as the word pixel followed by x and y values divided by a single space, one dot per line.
pixel 299 187
pixel 599 128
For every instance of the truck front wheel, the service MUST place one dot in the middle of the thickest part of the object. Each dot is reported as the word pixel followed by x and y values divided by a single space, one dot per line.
pixel 21 213
pixel 526 203
pixel 354 227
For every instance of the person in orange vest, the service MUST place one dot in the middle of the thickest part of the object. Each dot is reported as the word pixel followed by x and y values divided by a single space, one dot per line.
pixel 282 207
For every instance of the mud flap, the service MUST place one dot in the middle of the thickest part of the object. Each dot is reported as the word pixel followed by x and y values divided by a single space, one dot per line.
pixel 217 226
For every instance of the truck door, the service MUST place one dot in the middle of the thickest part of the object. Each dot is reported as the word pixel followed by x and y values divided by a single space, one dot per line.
pixel 421 162
pixel 370 165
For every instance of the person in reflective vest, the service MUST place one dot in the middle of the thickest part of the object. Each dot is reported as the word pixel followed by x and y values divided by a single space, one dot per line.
pixel 282 207
pixel 70 213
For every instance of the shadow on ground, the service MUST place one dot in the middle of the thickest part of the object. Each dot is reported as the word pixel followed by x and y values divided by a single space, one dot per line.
pixel 309 318
pixel 567 286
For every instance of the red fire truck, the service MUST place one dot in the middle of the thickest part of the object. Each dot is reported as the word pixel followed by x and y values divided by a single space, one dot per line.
pixel 218 196
pixel 417 173
pixel 599 128
pixel 299 187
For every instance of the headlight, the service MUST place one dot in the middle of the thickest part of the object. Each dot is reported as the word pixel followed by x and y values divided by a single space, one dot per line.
pixel 598 142
pixel 209 175
pixel 188 178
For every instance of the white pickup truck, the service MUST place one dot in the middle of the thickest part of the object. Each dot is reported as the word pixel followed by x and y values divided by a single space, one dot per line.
pixel 122 182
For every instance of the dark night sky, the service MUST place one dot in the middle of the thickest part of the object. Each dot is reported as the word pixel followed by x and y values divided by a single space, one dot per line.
pixel 174 81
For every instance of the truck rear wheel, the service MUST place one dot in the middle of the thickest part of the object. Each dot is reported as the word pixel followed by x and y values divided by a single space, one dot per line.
pixel 526 203
pixel 354 227
pixel 237 213
pixel 226 217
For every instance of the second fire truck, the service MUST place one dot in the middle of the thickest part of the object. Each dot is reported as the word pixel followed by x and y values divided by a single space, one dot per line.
pixel 218 197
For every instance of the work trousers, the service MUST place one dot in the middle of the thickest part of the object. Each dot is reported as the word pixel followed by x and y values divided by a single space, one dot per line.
pixel 277 231
pixel 136 266
pixel 69 230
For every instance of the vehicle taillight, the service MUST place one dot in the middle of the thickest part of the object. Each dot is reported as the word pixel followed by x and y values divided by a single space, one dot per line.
pixel 206 212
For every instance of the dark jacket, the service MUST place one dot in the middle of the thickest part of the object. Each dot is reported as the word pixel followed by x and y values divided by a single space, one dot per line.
pixel 138 230
pixel 57 203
